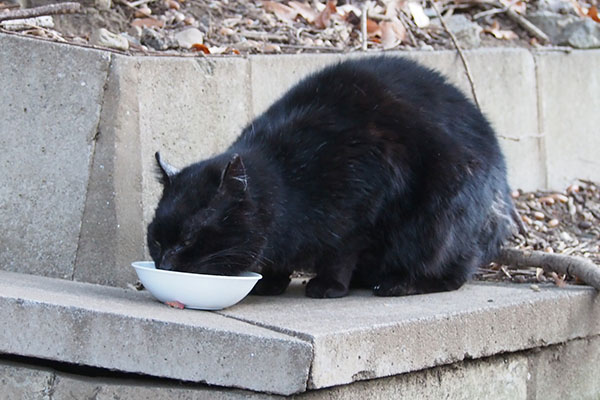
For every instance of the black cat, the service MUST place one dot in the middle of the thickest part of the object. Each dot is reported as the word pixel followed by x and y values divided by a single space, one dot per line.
pixel 372 173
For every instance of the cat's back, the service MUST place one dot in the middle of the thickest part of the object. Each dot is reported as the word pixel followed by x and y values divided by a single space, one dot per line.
pixel 354 92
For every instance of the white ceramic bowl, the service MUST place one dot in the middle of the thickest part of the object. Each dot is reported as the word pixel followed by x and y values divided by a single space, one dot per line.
pixel 202 292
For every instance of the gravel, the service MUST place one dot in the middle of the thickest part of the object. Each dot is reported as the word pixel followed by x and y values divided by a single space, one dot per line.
pixel 565 222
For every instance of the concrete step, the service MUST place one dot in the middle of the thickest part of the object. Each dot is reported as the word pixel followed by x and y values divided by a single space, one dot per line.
pixel 292 344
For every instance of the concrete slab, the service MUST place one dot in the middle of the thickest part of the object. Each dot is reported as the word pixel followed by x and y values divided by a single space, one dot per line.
pixel 128 331
pixel 568 87
pixel 566 370
pixel 365 337
pixel 51 100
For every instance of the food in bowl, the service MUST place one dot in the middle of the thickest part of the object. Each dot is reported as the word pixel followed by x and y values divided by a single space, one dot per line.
pixel 197 291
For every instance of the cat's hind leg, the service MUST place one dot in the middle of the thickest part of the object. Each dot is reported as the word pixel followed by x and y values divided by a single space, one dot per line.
pixel 455 274
pixel 402 287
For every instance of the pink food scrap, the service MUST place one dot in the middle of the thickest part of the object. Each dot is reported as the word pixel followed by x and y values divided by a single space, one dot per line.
pixel 175 304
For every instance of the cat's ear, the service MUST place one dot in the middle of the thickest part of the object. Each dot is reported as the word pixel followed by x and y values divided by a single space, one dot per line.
pixel 166 170
pixel 234 179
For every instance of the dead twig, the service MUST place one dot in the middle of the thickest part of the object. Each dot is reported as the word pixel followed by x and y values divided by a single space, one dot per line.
pixel 51 9
pixel 580 267
pixel 518 139
pixel 487 13
pixel 527 25
pixel 264 36
pixel 460 53
pixel 363 25
pixel 9 6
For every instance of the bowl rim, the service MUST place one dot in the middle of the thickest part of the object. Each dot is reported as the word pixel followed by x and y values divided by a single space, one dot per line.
pixel 253 275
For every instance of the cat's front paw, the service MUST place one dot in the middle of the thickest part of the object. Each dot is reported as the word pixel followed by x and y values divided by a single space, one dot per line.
pixel 320 288
pixel 271 286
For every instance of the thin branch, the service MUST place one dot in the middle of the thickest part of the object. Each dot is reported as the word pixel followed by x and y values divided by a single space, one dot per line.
pixel 518 139
pixel 527 25
pixel 363 25
pixel 264 36
pixel 580 267
pixel 51 9
pixel 460 52
pixel 486 13
pixel 140 2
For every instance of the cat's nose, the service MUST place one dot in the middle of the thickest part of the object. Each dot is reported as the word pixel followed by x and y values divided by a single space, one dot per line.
pixel 165 263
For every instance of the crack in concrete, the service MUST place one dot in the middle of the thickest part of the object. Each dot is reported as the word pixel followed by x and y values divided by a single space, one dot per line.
pixel 540 119
pixel 48 391
pixel 298 335
pixel 93 141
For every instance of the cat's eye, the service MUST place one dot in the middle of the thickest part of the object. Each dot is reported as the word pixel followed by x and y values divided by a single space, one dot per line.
pixel 156 243
pixel 187 243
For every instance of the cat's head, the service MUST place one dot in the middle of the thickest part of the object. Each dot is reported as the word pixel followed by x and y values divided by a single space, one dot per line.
pixel 205 221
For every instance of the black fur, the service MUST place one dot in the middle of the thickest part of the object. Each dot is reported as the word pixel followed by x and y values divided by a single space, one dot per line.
pixel 373 173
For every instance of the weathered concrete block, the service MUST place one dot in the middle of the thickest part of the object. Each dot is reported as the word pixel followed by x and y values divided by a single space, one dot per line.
pixel 25 382
pixel 272 76
pixel 29 382
pixel 501 378
pixel 568 87
pixel 128 331
pixel 365 337
pixel 505 84
pixel 51 101
pixel 566 371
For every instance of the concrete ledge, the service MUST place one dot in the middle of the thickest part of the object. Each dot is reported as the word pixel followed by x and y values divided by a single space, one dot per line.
pixel 125 330
pixel 365 337
pixel 286 344
pixel 564 371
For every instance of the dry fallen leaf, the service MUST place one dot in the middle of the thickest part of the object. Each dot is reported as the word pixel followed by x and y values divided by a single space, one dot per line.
pixel 148 23
pixel 539 273
pixel 283 12
pixel 322 20
pixel 201 47
pixel 271 48
pixel 172 4
pixel 373 28
pixel 305 10
pixel 498 33
pixel 175 304
pixel 392 33
pixel 559 281
pixel 518 6
pixel 593 13
pixel 416 10
pixel 217 49
pixel 142 12
pixel 578 9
